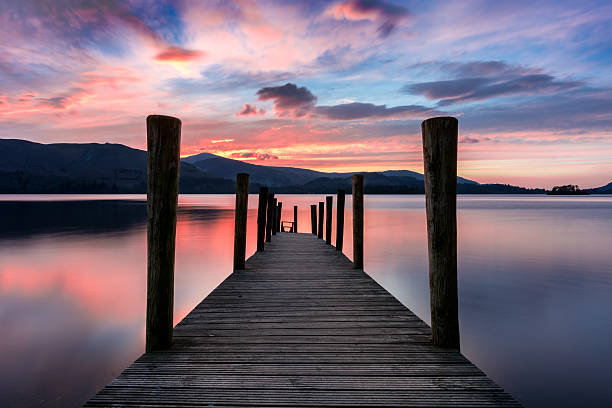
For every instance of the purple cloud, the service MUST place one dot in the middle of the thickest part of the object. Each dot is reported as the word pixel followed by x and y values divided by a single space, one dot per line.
pixel 387 15
pixel 80 22
pixel 289 100
pixel 485 68
pixel 482 80
pixel 248 110
pixel 453 89
pixel 358 110
pixel 471 140
pixel 63 101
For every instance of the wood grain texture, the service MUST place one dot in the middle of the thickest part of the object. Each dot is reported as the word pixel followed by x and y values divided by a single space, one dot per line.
pixel 279 216
pixel 340 220
pixel 275 217
pixel 357 221
pixel 240 220
pixel 270 218
pixel 329 203
pixel 440 159
pixel 321 214
pixel 261 218
pixel 163 151
pixel 307 333
pixel 313 218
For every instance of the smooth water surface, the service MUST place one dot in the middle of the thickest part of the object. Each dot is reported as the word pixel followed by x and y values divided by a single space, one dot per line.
pixel 535 285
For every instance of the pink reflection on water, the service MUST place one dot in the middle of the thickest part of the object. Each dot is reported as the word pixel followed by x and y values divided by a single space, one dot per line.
pixel 72 302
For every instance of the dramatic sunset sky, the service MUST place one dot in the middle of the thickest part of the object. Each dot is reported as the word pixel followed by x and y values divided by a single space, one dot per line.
pixel 334 85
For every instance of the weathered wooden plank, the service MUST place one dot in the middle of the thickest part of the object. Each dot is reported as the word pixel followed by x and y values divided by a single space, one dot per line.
pixel 300 327
pixel 319 382
pixel 159 397
pixel 220 355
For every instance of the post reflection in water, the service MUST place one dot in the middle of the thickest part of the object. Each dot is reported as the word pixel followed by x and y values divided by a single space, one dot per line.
pixel 535 288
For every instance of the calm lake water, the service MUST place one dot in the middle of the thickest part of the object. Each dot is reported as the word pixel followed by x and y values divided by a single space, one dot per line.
pixel 535 286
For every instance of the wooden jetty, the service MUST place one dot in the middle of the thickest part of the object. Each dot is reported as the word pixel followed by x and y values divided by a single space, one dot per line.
pixel 300 325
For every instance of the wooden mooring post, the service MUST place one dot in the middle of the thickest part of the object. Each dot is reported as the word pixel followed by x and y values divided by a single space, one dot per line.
pixel 295 230
pixel 313 218
pixel 240 223
pixel 270 218
pixel 340 220
pixel 163 158
pixel 440 159
pixel 261 218
pixel 321 212
pixel 329 203
pixel 275 216
pixel 279 212
pixel 358 221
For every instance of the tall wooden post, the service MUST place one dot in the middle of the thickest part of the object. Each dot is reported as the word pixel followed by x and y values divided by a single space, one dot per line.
pixel 278 219
pixel 261 218
pixel 358 221
pixel 321 212
pixel 340 221
pixel 270 218
pixel 440 157
pixel 313 218
pixel 295 218
pixel 329 203
pixel 240 223
pixel 275 216
pixel 163 152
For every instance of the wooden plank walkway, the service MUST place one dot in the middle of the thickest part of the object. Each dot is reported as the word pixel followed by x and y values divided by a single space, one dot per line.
pixel 301 327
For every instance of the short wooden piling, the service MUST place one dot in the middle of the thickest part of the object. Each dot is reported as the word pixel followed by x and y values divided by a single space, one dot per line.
pixel 261 218
pixel 279 218
pixel 440 159
pixel 321 212
pixel 275 217
pixel 340 220
pixel 163 152
pixel 270 218
pixel 313 218
pixel 295 230
pixel 240 223
pixel 329 203
pixel 358 221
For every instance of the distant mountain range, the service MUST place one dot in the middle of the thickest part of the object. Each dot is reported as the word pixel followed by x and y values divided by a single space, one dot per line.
pixel 28 167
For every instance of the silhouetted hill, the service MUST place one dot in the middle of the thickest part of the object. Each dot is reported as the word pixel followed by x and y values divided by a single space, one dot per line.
pixel 264 175
pixel 281 176
pixel 27 167
pixel 607 189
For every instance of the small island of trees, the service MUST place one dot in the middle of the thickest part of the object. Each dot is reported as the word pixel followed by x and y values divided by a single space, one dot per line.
pixel 570 189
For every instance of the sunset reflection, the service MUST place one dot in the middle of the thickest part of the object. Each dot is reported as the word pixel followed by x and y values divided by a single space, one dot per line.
pixel 73 283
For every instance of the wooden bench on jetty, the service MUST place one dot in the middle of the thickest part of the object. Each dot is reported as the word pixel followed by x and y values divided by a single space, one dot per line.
pixel 299 324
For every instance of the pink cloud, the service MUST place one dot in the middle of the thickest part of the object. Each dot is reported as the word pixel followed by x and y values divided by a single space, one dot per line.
pixel 178 54
pixel 254 155
pixel 387 15
pixel 250 110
